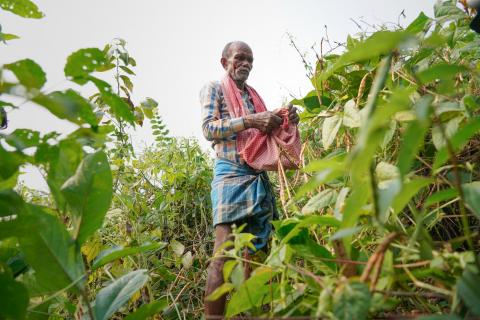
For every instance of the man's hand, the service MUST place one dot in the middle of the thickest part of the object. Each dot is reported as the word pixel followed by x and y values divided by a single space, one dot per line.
pixel 263 121
pixel 292 114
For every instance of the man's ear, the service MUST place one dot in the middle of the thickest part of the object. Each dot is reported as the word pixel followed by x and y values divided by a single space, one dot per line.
pixel 223 61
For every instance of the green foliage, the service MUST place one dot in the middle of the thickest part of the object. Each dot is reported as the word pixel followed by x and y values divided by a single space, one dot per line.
pixel 111 298
pixel 23 8
pixel 383 218
pixel 89 192
pixel 28 73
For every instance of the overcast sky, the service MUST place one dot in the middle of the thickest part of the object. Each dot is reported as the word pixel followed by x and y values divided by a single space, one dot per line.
pixel 177 46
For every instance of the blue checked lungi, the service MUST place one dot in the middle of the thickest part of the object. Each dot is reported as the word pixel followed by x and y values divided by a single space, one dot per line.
pixel 242 195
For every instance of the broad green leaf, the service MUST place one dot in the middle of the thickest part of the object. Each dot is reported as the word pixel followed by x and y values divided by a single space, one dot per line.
pixel 312 102
pixel 409 189
pixel 421 23
pixel 352 301
pixel 369 139
pixel 83 62
pixel 115 253
pixel 10 163
pixel 413 137
pixel 13 298
pixel 467 288
pixel 28 73
pixel 251 292
pixel 23 138
pixel 380 43
pixel 440 196
pixel 330 129
pixel 451 127
pixel 458 141
pixel 68 105
pixel 471 193
pixel 63 160
pixel 111 298
pixel 447 9
pixel 309 221
pixel 119 107
pixel 440 71
pixel 23 8
pixel 51 252
pixel 220 291
pixel 320 201
pixel 88 194
pixel 148 310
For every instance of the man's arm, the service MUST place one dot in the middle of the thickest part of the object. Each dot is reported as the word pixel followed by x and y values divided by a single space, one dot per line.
pixel 213 126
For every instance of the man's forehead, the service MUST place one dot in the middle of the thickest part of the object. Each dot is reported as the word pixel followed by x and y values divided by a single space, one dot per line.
pixel 240 46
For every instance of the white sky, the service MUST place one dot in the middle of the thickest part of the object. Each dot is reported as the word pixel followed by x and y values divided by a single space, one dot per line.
pixel 177 46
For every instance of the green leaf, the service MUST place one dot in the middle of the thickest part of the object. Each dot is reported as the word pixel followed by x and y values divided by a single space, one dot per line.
pixel 352 302
pixel 421 23
pixel 320 201
pixel 413 137
pixel 458 141
pixel 115 253
pixel 380 43
pixel 127 82
pixel 251 292
pixel 22 8
pixel 440 196
pixel 220 291
pixel 447 9
pixel 111 298
pixel 68 105
pixel 83 62
pixel 51 252
pixel 88 194
pixel 10 163
pixel 14 298
pixel 23 138
pixel 28 73
pixel 467 288
pixel 440 71
pixel 63 162
pixel 8 36
pixel 148 106
pixel 471 193
pixel 327 221
pixel 119 107
pixel 409 189
pixel 330 129
pixel 149 310
pixel 127 70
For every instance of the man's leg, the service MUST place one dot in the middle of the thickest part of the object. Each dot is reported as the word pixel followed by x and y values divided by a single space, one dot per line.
pixel 215 273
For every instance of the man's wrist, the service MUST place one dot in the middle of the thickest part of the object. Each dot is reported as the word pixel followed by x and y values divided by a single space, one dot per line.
pixel 247 121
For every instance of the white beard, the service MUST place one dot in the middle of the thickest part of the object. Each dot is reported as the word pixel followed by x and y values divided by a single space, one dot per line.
pixel 473 3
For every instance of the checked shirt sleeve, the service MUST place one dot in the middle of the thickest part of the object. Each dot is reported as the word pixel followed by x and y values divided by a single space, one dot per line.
pixel 216 122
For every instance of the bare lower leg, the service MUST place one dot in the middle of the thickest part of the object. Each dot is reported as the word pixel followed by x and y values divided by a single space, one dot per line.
pixel 215 274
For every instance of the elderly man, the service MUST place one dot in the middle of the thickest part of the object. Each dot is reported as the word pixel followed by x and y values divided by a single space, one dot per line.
pixel 240 195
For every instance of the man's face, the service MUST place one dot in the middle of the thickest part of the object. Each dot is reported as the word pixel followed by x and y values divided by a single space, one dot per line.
pixel 239 63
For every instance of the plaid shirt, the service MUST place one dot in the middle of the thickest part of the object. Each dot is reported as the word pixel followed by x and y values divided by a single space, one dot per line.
pixel 217 125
